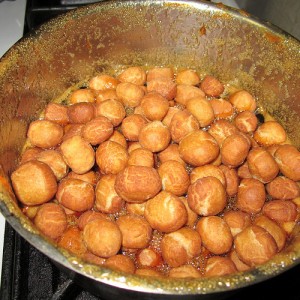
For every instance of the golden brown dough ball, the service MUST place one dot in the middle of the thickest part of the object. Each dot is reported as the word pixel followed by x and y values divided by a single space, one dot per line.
pixel 272 149
pixel 221 129
pixel 243 171
pixel 106 95
pixel 180 246
pixel 207 196
pixel 155 136
pixel 207 170
pixel 30 154
pixel 251 195
pixel 222 108
pixel 97 130
pixel 283 188
pixel 243 100
pixel 57 113
pixel 148 257
pixel 55 161
pixel 215 234
pixel 82 95
pixel 189 77
pixel 192 217
pixel 280 210
pixel 78 154
pixel 211 86
pixel 198 148
pixel 141 157
pixel 90 177
pixel 34 183
pixel 288 160
pixel 201 109
pixel 240 265
pixel 273 228
pixel 236 220
pixel 135 208
pixel 164 86
pixel 171 153
pixel 134 75
pixel 246 121
pixel 154 106
pixel 102 237
pixel 71 130
pixel 219 266
pixel 93 259
pixel 107 199
pixel 262 165
pixel 121 263
pixel 81 113
pixel 186 92
pixel 111 157
pixel 51 220
pixel 103 82
pixel 231 179
pixel 160 72
pixel 186 271
pixel 75 194
pixel 182 123
pixel 254 245
pixel 137 183
pixel 270 133
pixel 165 212
pixel 45 134
pixel 72 240
pixel 132 126
pixel 174 177
pixel 130 94
pixel 118 138
pixel 88 216
pixel 136 231
pixel 30 211
pixel 168 117
pixel 234 150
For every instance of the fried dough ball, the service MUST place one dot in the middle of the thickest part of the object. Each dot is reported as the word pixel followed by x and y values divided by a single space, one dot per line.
pixel 185 271
pixel 136 231
pixel 168 117
pixel 134 75
pixel 165 212
pixel 186 92
pixel 283 188
pixel 198 148
pixel 182 123
pixel 201 109
pixel 270 133
pixel 57 113
pixel 30 154
pixel 89 216
pixel 219 266
pixel 141 157
pixel 71 130
pixel 164 86
pixel 280 210
pixel 254 245
pixel 75 194
pixel 171 153
pixel 137 183
pixel 192 217
pixel 107 199
pixel 118 138
pixel 207 170
pixel 34 183
pixel 30 211
pixel 222 108
pixel 130 94
pixel 207 196
pixel 243 171
pixel 132 126
pixel 121 263
pixel 51 220
pixel 148 272
pixel 72 240
pixel 221 129
pixel 242 100
pixel 154 106
pixel 240 266
pixel 188 77
pixel 234 150
pixel 211 86
pixel 90 177
pixel 136 208
pixel 148 257
pixel 262 165
pixel 45 134
pixel 174 177
pixel 155 136
pixel 180 246
pixel 273 228
pixel 246 121
pixel 102 237
pixel 93 259
pixel 82 95
pixel 288 160
pixel 111 157
pixel 78 154
pixel 106 95
pixel 97 130
pixel 81 113
pixel 103 82
pixel 251 195
pixel 231 180
pixel 236 220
